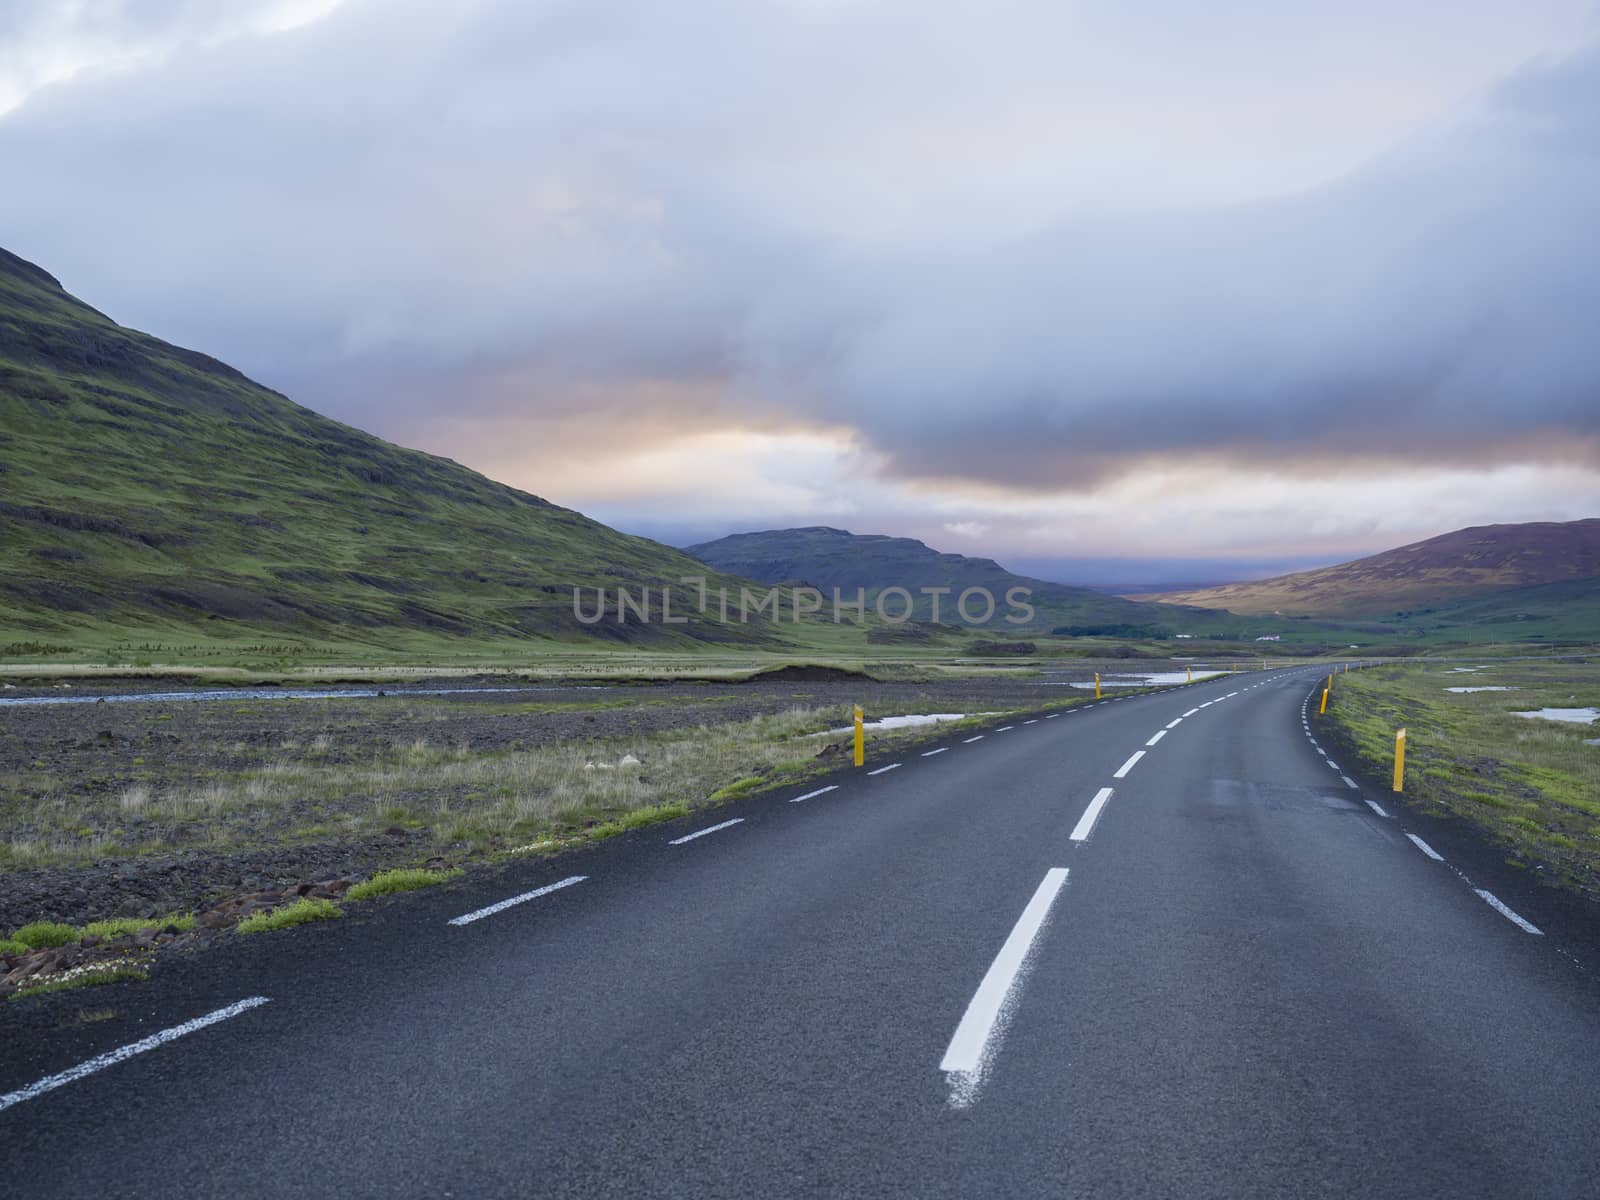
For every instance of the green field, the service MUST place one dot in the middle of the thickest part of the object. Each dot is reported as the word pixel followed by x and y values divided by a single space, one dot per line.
pixel 1532 784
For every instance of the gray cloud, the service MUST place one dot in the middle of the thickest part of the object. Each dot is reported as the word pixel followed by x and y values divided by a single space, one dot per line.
pixel 1023 245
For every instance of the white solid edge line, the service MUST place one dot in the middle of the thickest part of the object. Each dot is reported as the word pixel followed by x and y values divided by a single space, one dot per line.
pixel 1348 782
pixel 112 1057
pixel 1080 831
pixel 881 770
pixel 931 753
pixel 970 740
pixel 1175 724
pixel 969 1046
pixel 1159 734
pixel 1122 771
pixel 1500 907
pixel 479 914
pixel 832 787
pixel 689 837
pixel 1377 808
pixel 1425 848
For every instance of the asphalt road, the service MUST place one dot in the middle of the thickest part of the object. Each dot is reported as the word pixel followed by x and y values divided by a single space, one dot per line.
pixel 975 974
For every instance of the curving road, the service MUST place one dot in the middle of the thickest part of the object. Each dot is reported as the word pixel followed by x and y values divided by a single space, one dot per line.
pixel 1161 946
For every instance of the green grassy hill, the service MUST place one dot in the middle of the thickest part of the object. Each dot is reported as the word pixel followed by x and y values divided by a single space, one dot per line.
pixel 149 493
pixel 1567 612
pixel 828 558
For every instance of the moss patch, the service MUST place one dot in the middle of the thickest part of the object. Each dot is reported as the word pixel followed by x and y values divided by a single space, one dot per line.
pixel 404 879
pixel 301 912
pixel 90 975
pixel 119 926
pixel 45 933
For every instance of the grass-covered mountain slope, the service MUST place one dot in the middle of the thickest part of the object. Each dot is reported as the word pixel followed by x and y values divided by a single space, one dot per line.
pixel 150 492
pixel 828 558
pixel 1455 566
pixel 1565 612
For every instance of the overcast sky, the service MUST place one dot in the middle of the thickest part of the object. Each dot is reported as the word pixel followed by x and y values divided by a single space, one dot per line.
pixel 1248 283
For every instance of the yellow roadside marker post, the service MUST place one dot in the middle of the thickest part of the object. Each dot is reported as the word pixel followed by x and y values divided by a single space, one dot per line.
pixel 861 739
pixel 1097 685
pixel 1323 710
pixel 1399 760
pixel 1191 674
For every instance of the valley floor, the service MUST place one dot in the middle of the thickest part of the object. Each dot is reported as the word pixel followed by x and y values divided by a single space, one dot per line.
pixel 140 808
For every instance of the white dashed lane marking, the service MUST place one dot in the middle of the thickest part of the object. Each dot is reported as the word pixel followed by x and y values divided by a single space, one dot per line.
pixel 1500 907
pixel 490 911
pixel 1425 848
pixel 700 833
pixel 969 1050
pixel 112 1057
pixel 832 787
pixel 1080 831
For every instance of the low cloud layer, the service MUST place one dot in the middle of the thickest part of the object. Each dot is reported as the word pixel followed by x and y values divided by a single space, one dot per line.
pixel 1020 249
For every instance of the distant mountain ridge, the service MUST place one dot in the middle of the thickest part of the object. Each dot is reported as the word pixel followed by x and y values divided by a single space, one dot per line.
pixel 148 490
pixel 827 558
pixel 1477 561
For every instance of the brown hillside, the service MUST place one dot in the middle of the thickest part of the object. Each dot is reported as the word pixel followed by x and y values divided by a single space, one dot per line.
pixel 1468 562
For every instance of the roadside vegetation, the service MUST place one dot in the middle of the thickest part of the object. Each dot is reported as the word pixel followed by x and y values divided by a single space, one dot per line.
pixel 87 975
pixel 301 912
pixel 1532 783
pixel 401 879
pixel 447 796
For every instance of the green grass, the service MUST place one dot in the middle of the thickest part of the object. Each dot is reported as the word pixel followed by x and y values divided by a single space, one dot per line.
pixel 12 946
pixel 90 975
pixel 45 933
pixel 301 912
pixel 402 879
pixel 649 815
pixel 737 789
pixel 1531 784
pixel 118 926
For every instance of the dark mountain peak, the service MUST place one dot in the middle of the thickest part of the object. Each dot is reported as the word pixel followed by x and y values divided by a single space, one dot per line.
pixel 828 558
